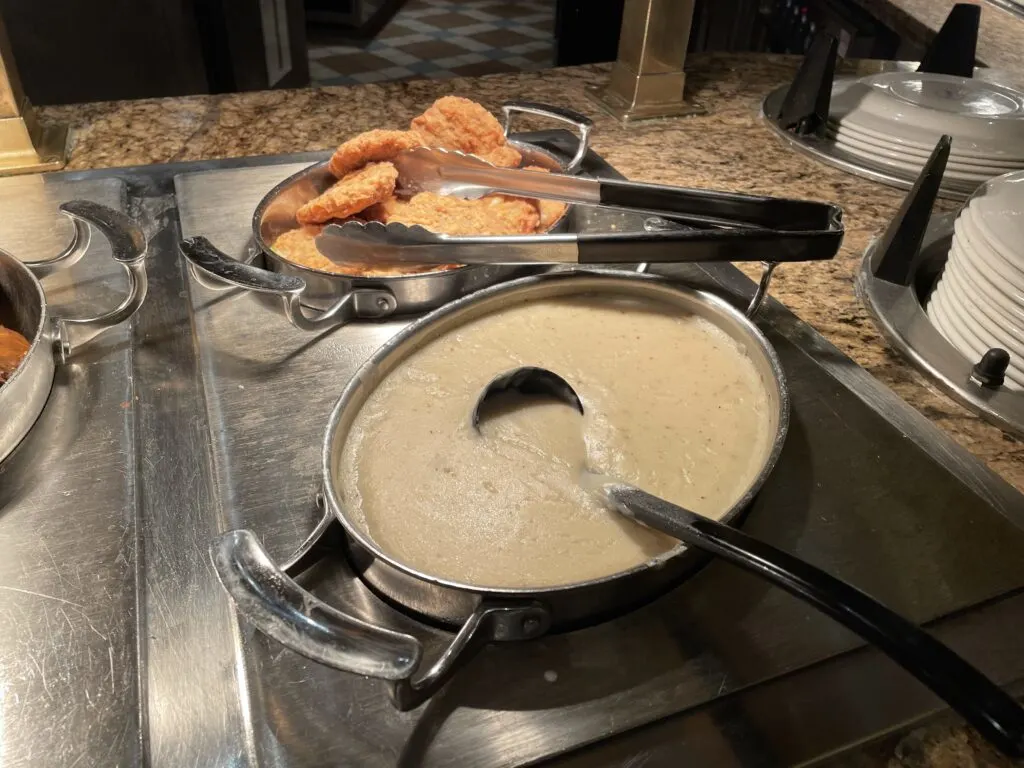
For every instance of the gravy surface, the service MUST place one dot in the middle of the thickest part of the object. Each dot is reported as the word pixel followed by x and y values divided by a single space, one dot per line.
pixel 672 405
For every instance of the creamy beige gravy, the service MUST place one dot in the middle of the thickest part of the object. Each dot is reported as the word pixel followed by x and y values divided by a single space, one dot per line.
pixel 672 404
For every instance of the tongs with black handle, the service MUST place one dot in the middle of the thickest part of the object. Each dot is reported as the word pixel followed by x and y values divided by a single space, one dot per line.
pixel 702 225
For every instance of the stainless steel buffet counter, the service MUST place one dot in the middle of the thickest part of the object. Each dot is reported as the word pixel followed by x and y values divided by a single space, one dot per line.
pixel 118 646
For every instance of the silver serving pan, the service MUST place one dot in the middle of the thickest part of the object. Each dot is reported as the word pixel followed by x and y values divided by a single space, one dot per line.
pixel 282 609
pixel 313 299
pixel 53 339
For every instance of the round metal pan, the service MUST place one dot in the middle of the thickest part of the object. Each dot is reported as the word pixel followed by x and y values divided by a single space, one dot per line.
pixel 52 339
pixel 283 610
pixel 314 298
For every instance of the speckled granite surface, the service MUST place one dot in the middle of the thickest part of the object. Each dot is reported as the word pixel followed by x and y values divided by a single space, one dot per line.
pixel 729 148
pixel 1000 37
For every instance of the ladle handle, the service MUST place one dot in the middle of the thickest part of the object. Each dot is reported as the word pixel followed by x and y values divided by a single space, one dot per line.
pixel 982 703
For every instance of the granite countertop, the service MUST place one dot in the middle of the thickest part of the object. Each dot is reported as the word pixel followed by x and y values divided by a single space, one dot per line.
pixel 729 148
pixel 1000 35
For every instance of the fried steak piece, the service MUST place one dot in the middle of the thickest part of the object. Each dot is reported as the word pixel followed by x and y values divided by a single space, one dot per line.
pixel 503 157
pixel 491 215
pixel 357 190
pixel 550 210
pixel 453 122
pixel 371 147
pixel 299 247
pixel 367 185
pixel 13 348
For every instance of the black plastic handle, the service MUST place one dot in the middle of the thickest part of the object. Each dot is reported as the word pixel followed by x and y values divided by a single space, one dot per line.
pixel 704 206
pixel 982 703
pixel 706 245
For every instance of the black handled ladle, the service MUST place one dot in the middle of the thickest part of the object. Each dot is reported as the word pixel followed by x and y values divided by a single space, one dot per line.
pixel 982 703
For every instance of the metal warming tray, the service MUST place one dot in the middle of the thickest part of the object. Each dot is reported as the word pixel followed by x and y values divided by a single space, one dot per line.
pixel 120 647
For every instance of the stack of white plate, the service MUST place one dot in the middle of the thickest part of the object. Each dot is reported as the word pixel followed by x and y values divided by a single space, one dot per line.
pixel 892 121
pixel 978 303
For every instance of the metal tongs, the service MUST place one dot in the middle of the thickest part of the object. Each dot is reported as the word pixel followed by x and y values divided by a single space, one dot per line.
pixel 702 225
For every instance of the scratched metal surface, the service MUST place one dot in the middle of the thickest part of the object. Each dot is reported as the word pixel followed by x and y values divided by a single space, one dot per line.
pixel 907 531
pixel 68 660
pixel 224 408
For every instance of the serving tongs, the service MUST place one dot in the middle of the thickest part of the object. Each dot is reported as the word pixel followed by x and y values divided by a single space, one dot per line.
pixel 696 225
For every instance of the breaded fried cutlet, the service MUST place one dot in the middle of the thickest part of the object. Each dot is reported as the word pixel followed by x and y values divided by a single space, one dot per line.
pixel 453 122
pixel 503 157
pixel 371 147
pixel 550 210
pixel 491 215
pixel 299 247
pixel 13 348
pixel 354 192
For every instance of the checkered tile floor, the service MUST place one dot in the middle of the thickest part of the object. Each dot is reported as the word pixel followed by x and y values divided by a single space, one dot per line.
pixel 438 39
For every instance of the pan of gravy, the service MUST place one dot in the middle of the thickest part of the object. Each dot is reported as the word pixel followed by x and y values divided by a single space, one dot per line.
pixel 683 397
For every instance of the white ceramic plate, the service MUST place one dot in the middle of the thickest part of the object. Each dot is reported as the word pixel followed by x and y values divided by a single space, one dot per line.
pixel 937 313
pixel 912 166
pixel 998 211
pixel 898 152
pixel 921 106
pixel 956 333
pixel 1000 293
pixel 988 261
pixel 986 313
pixel 981 335
pixel 962 150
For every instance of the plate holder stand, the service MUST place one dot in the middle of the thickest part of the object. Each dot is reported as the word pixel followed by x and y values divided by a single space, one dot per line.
pixel 899 270
pixel 805 107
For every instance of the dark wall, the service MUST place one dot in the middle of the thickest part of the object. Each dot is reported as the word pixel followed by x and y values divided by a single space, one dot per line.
pixel 587 30
pixel 90 50
pixel 69 51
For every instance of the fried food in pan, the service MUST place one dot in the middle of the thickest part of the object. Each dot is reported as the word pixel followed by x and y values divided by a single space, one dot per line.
pixel 453 122
pixel 371 147
pixel 367 190
pixel 550 210
pixel 355 192
pixel 503 157
pixel 491 215
pixel 299 247
pixel 13 348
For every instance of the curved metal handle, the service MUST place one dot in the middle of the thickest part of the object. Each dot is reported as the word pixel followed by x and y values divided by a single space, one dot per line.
pixel 762 288
pixel 489 623
pixel 202 255
pixel 283 610
pixel 980 701
pixel 128 248
pixel 71 254
pixel 583 124
pixel 279 608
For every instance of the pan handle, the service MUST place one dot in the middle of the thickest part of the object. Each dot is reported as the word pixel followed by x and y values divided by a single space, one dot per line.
pixel 583 124
pixel 491 622
pixel 128 248
pixel 761 293
pixel 360 303
pixel 279 608
pixel 283 610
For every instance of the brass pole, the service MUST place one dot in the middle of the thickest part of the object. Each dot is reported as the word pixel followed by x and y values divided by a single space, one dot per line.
pixel 25 146
pixel 647 79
